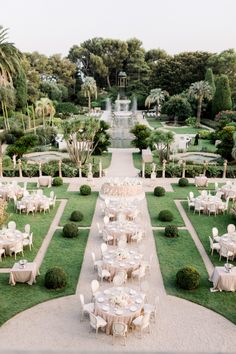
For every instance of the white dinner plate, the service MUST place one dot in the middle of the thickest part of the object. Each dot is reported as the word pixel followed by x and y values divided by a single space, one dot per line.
pixel 105 308
pixel 132 292
pixel 100 299
pixel 119 312
pixel 138 301
pixel 131 262
pixel 107 291
pixel 133 308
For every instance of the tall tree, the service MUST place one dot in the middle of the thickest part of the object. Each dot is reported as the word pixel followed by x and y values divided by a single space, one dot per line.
pixel 209 77
pixel 44 108
pixel 20 85
pixel 222 98
pixel 200 90
pixel 177 106
pixel 161 141
pixel 156 96
pixel 89 89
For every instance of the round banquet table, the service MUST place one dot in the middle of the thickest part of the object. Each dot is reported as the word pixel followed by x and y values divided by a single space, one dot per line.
pixel 116 229
pixel 118 305
pixel 121 260
pixel 226 189
pixel 229 240
pixel 9 238
pixel 205 202
pixel 35 199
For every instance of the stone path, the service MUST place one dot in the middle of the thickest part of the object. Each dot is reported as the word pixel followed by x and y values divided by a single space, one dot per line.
pixel 181 325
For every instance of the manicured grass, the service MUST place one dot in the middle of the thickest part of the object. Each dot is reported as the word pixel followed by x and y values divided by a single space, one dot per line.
pixel 156 204
pixel 105 158
pixel 155 123
pixel 183 130
pixel 204 145
pixel 62 252
pixel 85 204
pixel 176 253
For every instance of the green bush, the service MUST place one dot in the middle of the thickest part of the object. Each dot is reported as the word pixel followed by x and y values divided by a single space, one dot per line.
pixel 66 108
pixel 57 181
pixel 85 189
pixel 159 191
pixel 70 230
pixel 171 231
pixel 204 134
pixel 188 278
pixel 183 182
pixel 76 215
pixel 55 278
pixel 165 215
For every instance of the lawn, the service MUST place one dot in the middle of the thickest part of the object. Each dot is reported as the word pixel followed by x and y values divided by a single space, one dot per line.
pixel 15 299
pixel 154 123
pixel 204 145
pixel 137 160
pixel 183 130
pixel 105 158
pixel 182 252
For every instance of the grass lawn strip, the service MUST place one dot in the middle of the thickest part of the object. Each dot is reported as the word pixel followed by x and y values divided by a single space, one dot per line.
pixel 176 253
pixel 62 252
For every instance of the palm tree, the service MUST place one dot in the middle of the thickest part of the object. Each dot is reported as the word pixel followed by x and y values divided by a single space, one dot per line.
pixel 89 89
pixel 10 59
pixel 161 141
pixel 156 96
pixel 44 108
pixel 200 90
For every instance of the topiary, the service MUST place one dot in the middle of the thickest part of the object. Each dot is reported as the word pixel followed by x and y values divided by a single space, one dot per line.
pixel 76 215
pixel 165 215
pixel 70 230
pixel 55 278
pixel 57 181
pixel 188 278
pixel 171 231
pixel 85 189
pixel 159 191
pixel 183 182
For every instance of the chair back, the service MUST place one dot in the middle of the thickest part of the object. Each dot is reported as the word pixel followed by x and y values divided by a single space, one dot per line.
pixel 191 195
pixel 52 194
pixel 93 256
pixel 26 193
pixel 94 286
pixel 122 274
pixel 18 246
pixel 224 250
pixel 118 281
pixel 11 225
pixel 212 207
pixel 211 242
pixel 197 204
pixel 103 248
pixel 146 320
pixel 106 220
pixel 119 328
pixel 122 244
pixel 31 238
pixel 100 271
pixel 231 228
pixel 39 192
pixel 204 193
pixel 81 296
pixel 123 238
pixel 215 232
pixel 27 228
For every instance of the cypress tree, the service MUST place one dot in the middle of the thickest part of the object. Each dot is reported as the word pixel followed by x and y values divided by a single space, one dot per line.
pixel 20 85
pixel 222 98
pixel 209 77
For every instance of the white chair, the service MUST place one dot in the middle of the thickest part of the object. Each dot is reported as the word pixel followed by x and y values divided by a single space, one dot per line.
pixel 39 192
pixel 232 195
pixel 152 309
pixel 99 229
pixel 45 206
pixel 148 264
pixel 137 237
pixel 52 202
pixel 118 281
pixel 85 308
pixel 18 248
pixel 191 203
pixel 231 229
pixel 103 274
pixel 28 241
pixel 51 195
pixel 20 206
pixel 25 193
pixel 223 207
pixel 219 194
pixel 30 208
pixel 214 246
pixel 139 273
pixel 226 252
pixel 2 252
pixel 106 237
pixel 211 208
pixel 11 225
pixel 104 248
pixel 96 322
pixel 198 207
pixel 106 220
pixel 27 229
pixel 94 288
pixel 215 234
pixel 142 323
pixel 216 186
pixel 119 329
pixel 95 263
pixel 122 274
pixel 122 244
pixel 204 194
pixel 191 196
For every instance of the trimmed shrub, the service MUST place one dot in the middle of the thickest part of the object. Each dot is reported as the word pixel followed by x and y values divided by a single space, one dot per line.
pixel 70 230
pixel 85 189
pixel 57 181
pixel 171 231
pixel 165 215
pixel 159 191
pixel 55 278
pixel 76 215
pixel 188 278
pixel 183 182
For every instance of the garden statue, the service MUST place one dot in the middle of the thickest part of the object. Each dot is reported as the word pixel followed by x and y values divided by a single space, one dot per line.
pixel 14 161
pixel 153 167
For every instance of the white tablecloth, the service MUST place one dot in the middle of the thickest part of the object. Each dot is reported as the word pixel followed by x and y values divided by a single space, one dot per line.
pixel 24 275
pixel 223 280
pixel 201 181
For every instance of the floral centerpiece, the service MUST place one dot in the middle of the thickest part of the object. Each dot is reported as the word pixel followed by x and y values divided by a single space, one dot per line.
pixel 122 254
pixel 119 300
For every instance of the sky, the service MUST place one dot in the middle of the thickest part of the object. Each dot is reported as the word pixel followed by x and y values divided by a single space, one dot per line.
pixel 54 26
